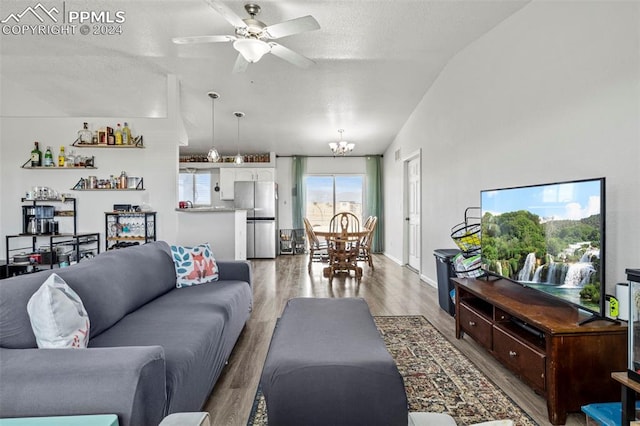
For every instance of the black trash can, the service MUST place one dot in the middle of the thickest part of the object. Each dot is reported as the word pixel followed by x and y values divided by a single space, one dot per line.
pixel 445 271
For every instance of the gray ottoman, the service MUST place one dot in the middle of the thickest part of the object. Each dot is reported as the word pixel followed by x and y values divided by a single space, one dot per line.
pixel 328 365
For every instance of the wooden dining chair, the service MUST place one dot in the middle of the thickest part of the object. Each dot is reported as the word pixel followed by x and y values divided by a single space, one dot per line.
pixel 317 249
pixel 343 254
pixel 365 244
pixel 344 222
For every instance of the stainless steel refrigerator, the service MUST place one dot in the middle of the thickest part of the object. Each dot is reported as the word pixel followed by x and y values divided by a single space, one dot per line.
pixel 259 199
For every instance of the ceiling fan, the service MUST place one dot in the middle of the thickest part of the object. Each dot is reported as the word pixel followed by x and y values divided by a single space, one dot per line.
pixel 252 37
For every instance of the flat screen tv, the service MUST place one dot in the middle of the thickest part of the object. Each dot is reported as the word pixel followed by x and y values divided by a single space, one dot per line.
pixel 548 237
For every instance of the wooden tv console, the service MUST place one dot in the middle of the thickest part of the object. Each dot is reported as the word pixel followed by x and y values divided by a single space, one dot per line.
pixel 539 339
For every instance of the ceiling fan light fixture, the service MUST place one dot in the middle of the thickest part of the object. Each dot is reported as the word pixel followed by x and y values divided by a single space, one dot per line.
pixel 251 49
pixel 341 147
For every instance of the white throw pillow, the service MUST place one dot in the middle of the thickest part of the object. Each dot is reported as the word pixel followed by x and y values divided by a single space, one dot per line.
pixel 57 316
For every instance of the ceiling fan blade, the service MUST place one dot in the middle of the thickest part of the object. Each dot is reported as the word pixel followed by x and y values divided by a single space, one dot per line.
pixel 290 56
pixel 241 64
pixel 293 26
pixel 226 13
pixel 203 39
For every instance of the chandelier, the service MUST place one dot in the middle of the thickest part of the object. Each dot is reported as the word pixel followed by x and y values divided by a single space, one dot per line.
pixel 213 156
pixel 238 159
pixel 341 147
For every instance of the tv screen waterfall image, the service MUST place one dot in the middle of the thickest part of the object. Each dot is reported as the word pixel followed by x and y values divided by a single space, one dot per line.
pixel 549 237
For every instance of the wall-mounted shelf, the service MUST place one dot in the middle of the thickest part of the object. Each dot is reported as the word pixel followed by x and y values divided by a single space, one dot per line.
pixel 108 189
pixel 27 165
pixel 137 143
pixel 80 186
pixel 57 168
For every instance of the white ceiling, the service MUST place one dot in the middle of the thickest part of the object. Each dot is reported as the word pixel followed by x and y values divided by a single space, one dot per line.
pixel 374 59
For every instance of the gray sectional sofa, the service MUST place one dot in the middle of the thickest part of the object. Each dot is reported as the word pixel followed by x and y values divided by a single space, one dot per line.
pixel 154 349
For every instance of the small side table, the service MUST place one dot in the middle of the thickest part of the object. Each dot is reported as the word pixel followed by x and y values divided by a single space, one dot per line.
pixel 89 420
pixel 629 390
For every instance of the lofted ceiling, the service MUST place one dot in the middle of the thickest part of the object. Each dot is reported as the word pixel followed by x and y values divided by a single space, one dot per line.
pixel 374 61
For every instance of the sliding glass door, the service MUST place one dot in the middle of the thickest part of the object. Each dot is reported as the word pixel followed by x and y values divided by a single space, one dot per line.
pixel 327 195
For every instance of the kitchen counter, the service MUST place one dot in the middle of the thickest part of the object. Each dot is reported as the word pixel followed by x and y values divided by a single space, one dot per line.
pixel 224 228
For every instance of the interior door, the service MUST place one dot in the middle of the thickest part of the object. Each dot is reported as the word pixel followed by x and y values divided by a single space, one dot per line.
pixel 413 212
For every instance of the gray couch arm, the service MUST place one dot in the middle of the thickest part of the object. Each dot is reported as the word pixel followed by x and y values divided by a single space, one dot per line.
pixel 238 270
pixel 127 381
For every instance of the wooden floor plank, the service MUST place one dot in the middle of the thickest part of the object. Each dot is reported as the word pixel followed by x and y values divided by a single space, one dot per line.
pixel 389 290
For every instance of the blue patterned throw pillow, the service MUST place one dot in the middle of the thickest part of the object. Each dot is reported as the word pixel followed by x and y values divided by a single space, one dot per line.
pixel 194 265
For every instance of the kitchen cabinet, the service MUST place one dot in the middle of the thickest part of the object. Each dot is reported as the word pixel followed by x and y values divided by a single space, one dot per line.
pixel 227 179
pixel 228 176
pixel 129 228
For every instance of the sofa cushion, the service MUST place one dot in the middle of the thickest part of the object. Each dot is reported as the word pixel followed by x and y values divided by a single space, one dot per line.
pixel 196 326
pixel 194 265
pixel 110 286
pixel 57 316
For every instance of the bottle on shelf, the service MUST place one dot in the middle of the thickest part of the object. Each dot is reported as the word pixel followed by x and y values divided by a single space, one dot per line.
pixel 84 135
pixel 48 158
pixel 61 157
pixel 36 156
pixel 118 135
pixel 70 161
pixel 123 180
pixel 126 134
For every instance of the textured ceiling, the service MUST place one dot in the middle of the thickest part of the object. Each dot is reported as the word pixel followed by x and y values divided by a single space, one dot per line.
pixel 374 62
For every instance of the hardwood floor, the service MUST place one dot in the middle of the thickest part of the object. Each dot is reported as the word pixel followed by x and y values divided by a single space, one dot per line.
pixel 389 290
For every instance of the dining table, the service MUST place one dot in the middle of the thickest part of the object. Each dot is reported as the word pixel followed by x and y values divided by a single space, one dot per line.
pixel 343 250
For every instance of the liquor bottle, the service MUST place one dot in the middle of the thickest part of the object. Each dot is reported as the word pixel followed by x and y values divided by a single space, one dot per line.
pixel 61 157
pixel 48 158
pixel 84 135
pixel 118 135
pixel 36 156
pixel 71 159
pixel 126 135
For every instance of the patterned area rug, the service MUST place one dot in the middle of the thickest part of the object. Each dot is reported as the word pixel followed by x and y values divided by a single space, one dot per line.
pixel 437 377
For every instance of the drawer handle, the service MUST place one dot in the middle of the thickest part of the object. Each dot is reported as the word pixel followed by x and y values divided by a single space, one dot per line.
pixel 513 353
pixel 472 323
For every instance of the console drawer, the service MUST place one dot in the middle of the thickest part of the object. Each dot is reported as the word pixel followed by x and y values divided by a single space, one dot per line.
pixel 475 325
pixel 524 360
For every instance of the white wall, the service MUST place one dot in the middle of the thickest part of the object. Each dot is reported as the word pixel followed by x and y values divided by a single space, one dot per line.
pixel 550 94
pixel 157 164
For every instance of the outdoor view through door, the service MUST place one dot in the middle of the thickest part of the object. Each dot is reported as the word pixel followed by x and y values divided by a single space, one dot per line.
pixel 326 195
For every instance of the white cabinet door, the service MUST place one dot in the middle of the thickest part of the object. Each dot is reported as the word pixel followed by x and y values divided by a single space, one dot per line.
pixel 245 174
pixel 227 179
pixel 265 175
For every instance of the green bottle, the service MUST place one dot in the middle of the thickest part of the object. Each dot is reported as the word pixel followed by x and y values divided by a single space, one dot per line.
pixel 36 156
pixel 48 158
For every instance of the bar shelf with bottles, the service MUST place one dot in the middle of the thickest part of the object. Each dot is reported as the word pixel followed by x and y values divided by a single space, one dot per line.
pixel 126 228
pixel 64 161
pixel 107 137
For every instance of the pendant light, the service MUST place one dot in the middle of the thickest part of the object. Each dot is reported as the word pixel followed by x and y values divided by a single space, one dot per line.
pixel 238 159
pixel 213 156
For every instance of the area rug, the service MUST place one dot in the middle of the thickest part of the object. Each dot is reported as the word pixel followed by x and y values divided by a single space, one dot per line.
pixel 437 377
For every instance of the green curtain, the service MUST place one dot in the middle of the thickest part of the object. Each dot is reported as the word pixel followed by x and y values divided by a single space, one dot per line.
pixel 373 203
pixel 298 169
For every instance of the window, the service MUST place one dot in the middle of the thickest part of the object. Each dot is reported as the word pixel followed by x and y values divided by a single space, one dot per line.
pixel 327 195
pixel 195 187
